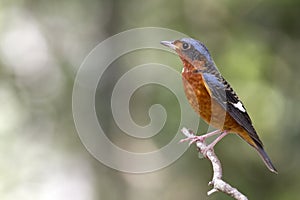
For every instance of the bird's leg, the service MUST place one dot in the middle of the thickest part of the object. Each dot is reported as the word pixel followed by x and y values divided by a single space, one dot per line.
pixel 196 138
pixel 211 145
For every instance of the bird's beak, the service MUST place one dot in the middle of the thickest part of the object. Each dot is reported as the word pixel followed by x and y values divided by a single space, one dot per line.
pixel 169 44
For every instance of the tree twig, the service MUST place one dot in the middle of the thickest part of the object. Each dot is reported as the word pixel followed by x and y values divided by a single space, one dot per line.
pixel 217 182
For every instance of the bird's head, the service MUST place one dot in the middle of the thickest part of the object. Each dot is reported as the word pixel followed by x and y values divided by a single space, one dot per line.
pixel 191 51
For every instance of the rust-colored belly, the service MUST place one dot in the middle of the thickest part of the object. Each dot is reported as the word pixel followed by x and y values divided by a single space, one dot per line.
pixel 205 106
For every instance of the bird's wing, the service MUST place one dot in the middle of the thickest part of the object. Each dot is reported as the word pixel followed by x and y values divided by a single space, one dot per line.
pixel 221 91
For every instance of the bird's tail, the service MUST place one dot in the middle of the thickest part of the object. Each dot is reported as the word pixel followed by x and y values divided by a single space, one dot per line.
pixel 266 159
pixel 257 144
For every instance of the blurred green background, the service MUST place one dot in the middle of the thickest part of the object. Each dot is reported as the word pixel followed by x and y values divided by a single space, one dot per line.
pixel 255 44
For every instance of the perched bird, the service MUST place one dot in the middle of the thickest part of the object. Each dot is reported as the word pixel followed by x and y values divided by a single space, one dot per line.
pixel 213 98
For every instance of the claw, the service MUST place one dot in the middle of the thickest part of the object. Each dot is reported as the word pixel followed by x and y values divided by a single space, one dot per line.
pixel 184 140
pixel 211 145
pixel 192 139
pixel 201 138
pixel 204 151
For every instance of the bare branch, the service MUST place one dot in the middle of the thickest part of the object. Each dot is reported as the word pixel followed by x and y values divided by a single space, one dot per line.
pixel 217 182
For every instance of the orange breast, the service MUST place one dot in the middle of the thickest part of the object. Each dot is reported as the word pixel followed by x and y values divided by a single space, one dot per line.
pixel 209 109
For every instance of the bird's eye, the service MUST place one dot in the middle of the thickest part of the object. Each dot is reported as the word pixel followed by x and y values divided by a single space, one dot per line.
pixel 185 46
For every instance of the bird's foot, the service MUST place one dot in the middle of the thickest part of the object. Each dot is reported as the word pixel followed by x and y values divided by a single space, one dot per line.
pixel 204 151
pixel 193 139
pixel 211 145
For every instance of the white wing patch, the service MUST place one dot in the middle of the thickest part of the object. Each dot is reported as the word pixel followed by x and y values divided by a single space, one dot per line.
pixel 239 106
pixel 182 71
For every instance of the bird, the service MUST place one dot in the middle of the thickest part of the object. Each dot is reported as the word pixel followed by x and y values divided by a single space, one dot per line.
pixel 212 97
